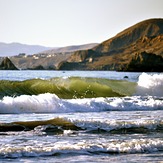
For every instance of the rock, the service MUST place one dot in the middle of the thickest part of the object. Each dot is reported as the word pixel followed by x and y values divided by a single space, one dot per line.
pixel 125 77
pixel 7 65
pixel 146 62
pixel 70 66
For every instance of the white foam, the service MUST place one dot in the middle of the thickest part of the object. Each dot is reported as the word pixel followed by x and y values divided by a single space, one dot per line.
pixel 150 85
pixel 114 124
pixel 50 103
pixel 29 104
pixel 80 147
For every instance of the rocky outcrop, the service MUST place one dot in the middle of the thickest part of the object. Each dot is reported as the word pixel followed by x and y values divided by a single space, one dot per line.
pixel 83 56
pixel 70 66
pixel 7 65
pixel 146 62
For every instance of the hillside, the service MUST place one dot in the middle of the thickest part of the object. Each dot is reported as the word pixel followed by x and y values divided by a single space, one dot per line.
pixel 117 52
pixel 47 59
pixel 146 29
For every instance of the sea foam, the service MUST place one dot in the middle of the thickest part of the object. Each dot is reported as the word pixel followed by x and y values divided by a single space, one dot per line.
pixel 150 85
pixel 81 147
pixel 50 103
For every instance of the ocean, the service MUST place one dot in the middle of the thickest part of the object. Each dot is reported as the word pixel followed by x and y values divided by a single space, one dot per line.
pixel 81 116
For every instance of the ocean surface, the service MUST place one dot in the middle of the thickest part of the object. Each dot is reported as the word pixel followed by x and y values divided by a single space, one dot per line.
pixel 81 116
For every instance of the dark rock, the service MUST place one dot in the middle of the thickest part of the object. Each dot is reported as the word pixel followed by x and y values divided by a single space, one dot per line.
pixel 70 66
pixel 125 77
pixel 7 65
pixel 146 62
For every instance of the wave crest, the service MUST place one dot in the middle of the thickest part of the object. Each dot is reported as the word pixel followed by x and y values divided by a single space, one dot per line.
pixel 150 85
pixel 50 103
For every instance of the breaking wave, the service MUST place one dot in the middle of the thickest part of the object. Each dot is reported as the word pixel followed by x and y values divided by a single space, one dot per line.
pixel 150 85
pixel 82 147
pixel 71 95
pixel 71 87
pixel 88 125
pixel 50 103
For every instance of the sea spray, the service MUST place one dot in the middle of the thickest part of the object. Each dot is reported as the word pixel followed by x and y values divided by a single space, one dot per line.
pixel 151 85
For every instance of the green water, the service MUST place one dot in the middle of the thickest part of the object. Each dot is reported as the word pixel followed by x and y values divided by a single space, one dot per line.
pixel 68 88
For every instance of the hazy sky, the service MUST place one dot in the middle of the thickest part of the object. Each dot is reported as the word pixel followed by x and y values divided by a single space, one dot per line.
pixel 71 22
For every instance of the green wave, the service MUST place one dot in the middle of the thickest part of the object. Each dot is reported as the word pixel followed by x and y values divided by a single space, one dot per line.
pixel 72 87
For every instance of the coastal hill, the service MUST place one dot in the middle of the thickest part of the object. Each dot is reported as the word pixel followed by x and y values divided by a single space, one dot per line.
pixel 48 59
pixel 119 51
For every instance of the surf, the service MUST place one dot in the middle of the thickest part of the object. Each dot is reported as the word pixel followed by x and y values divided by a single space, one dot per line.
pixel 76 94
pixel 50 103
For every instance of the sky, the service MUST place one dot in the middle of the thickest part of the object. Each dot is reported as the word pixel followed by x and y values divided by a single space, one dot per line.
pixel 58 23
